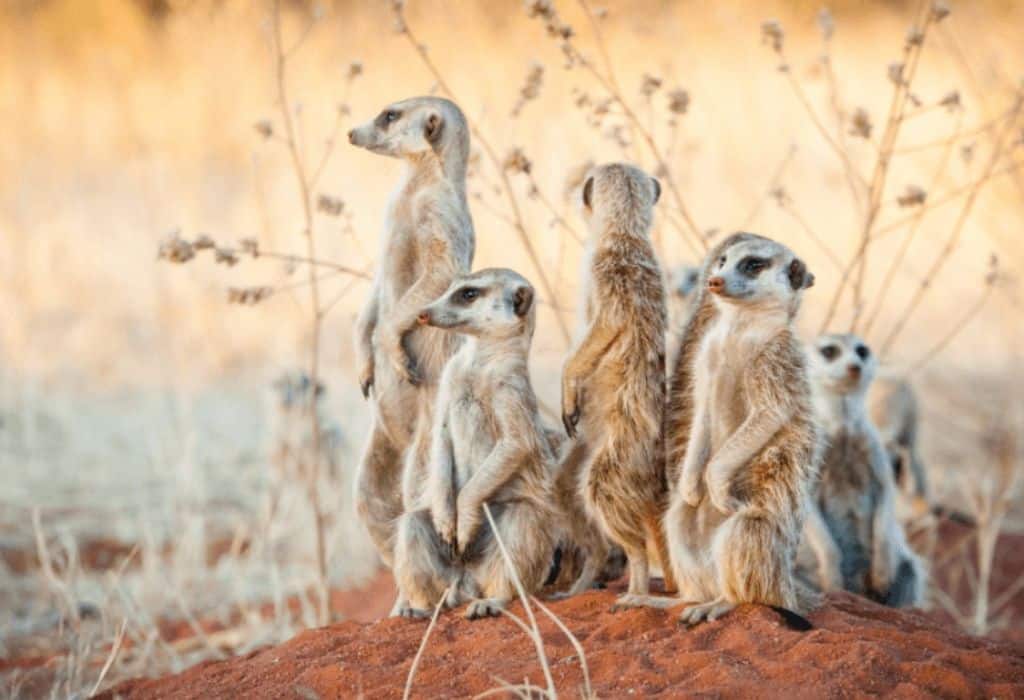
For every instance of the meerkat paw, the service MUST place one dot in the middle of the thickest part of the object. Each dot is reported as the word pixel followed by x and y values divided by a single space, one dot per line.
pixel 366 377
pixel 721 499
pixel 695 614
pixel 403 609
pixel 485 607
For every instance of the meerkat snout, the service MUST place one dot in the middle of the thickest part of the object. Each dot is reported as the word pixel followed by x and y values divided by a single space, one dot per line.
pixel 424 318
pixel 352 136
pixel 716 285
pixel 854 371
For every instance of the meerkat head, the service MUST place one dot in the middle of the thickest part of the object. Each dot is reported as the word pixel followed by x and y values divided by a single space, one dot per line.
pixel 685 279
pixel 493 303
pixel 758 272
pixel 620 197
pixel 414 127
pixel 294 390
pixel 842 363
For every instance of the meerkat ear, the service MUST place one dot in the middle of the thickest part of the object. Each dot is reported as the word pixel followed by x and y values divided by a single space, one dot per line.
pixel 657 190
pixel 588 191
pixel 432 128
pixel 799 276
pixel 522 300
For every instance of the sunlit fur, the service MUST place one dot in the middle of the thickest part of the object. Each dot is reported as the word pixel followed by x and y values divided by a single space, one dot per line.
pixel 427 241
pixel 488 446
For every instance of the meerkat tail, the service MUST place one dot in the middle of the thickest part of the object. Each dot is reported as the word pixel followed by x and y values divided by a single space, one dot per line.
pixel 656 535
pixel 793 620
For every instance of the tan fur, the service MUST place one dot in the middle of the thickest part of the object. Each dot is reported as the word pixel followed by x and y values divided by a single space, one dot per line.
pixel 892 405
pixel 743 445
pixel 613 383
pixel 428 239
pixel 856 493
pixel 489 446
pixel 683 283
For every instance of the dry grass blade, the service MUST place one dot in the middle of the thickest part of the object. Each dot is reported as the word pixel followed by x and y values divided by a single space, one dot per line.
pixel 111 657
pixel 535 636
pixel 589 691
pixel 423 645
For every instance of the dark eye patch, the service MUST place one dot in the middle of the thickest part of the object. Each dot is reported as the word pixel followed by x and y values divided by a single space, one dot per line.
pixel 862 352
pixel 830 352
pixel 387 117
pixel 751 266
pixel 465 296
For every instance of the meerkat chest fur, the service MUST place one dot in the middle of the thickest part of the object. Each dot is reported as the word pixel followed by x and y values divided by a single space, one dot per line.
pixel 721 365
pixel 848 481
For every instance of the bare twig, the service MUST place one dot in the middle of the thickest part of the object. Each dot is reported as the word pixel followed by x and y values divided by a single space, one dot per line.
pixel 423 645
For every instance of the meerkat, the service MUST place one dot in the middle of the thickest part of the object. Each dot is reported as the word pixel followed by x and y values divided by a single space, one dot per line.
pixel 489 447
pixel 428 240
pixel 892 405
pixel 856 491
pixel 740 401
pixel 613 382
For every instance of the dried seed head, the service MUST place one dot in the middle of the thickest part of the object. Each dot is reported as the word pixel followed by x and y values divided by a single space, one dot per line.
pixel 780 196
pixel 993 270
pixel 826 24
pixel 531 87
pixel 264 128
pixel 249 246
pixel 771 33
pixel 617 133
pixel 332 206
pixel 343 109
pixel 912 196
pixel 601 12
pixel 678 101
pixel 175 249
pixel 951 101
pixel 914 99
pixel 860 125
pixel 398 8
pixel 895 72
pixel 545 10
pixel 248 296
pixel 355 69
pixel 517 162
pixel 967 152
pixel 940 10
pixel 915 37
pixel 650 85
pixel 203 242
pixel 225 256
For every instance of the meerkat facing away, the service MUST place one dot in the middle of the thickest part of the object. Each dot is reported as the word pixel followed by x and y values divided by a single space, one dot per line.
pixel 613 383
pixel 856 492
pixel 488 446
pixel 741 400
pixel 428 240
pixel 892 405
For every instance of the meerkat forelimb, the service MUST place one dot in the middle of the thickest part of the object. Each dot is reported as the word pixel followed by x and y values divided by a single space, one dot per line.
pixel 427 241
pixel 856 491
pixel 741 405
pixel 613 382
pixel 490 448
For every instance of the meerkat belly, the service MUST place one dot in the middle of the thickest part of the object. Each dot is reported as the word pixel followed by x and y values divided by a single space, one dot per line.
pixel 473 435
pixel 727 404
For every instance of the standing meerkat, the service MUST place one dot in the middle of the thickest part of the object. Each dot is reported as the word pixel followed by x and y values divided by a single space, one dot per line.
pixel 741 402
pixel 892 405
pixel 856 492
pixel 427 241
pixel 613 383
pixel 489 446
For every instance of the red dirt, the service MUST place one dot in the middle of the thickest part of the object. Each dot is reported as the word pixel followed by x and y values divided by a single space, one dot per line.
pixel 857 647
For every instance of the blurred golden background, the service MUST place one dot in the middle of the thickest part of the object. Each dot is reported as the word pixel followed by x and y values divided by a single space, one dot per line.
pixel 136 403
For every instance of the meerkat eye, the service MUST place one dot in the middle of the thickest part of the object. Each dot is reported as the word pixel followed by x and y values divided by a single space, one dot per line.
pixel 830 352
pixel 721 261
pixel 390 116
pixel 387 117
pixel 752 266
pixel 468 294
pixel 862 352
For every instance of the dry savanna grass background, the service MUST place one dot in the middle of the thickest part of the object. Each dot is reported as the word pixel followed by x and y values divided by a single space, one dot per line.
pixel 156 471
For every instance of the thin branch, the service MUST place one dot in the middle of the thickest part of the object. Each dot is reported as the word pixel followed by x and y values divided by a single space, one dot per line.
pixel 954 237
pixel 423 645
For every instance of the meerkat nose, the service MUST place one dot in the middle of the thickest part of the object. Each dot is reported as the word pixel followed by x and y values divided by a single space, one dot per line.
pixel 853 370
pixel 716 285
pixel 352 136
pixel 423 318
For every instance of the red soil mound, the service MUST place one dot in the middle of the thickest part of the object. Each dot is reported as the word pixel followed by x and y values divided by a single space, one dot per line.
pixel 856 648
